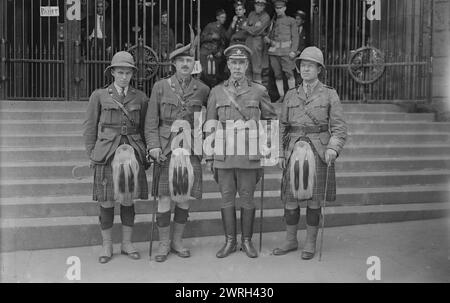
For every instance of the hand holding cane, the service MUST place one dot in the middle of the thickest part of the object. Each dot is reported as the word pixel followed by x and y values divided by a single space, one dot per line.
pixel 155 183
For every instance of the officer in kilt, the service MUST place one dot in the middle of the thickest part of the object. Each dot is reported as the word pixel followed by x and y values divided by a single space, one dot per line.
pixel 115 117
pixel 237 99
pixel 174 99
pixel 312 127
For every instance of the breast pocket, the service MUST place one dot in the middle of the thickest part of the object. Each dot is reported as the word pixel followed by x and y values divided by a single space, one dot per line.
pixel 294 112
pixel 168 109
pixel 224 111
pixel 135 112
pixel 110 113
pixel 196 105
pixel 252 109
pixel 320 111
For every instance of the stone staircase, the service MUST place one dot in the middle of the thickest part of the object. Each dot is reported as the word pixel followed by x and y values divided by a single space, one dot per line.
pixel 395 167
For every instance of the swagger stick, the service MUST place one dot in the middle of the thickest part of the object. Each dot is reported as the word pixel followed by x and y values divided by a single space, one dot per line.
pixel 155 185
pixel 323 212
pixel 261 216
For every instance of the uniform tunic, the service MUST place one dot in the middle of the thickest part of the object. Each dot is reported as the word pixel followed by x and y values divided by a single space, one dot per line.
pixel 238 173
pixel 169 102
pixel 106 127
pixel 257 26
pixel 284 36
pixel 324 106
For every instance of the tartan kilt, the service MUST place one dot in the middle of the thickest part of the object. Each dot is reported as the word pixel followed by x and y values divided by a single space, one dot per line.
pixel 103 175
pixel 163 171
pixel 319 184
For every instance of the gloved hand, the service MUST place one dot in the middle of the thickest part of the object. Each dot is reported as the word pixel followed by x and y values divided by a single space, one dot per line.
pixel 330 156
pixel 157 155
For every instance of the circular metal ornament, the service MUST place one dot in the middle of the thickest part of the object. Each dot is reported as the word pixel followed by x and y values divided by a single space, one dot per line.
pixel 149 61
pixel 366 65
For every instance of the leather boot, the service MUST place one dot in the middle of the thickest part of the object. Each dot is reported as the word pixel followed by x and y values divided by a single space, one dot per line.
pixel 177 241
pixel 127 247
pixel 247 219
pixel 291 243
pixel 229 227
pixel 107 247
pixel 164 244
pixel 310 244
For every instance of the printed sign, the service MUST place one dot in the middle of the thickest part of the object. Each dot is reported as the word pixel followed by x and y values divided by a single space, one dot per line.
pixel 49 11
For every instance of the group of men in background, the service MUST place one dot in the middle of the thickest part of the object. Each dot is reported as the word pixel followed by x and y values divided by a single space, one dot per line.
pixel 275 42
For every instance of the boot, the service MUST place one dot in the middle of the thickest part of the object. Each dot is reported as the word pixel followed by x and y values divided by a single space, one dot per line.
pixel 107 247
pixel 291 243
pixel 177 241
pixel 229 227
pixel 127 247
pixel 247 219
pixel 310 244
pixel 164 244
pixel 280 87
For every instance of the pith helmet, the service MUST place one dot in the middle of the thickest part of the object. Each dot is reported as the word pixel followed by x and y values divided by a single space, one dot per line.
pixel 311 53
pixel 121 59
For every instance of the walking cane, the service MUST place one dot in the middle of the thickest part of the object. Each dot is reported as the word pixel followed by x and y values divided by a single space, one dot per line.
pixel 261 216
pixel 155 184
pixel 323 212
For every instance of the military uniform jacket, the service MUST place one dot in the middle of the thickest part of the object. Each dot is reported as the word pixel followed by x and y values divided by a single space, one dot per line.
pixel 102 141
pixel 284 30
pixel 168 103
pixel 238 34
pixel 254 102
pixel 257 24
pixel 303 39
pixel 325 106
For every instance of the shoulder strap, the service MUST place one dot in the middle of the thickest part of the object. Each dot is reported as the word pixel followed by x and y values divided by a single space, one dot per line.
pixel 311 116
pixel 233 101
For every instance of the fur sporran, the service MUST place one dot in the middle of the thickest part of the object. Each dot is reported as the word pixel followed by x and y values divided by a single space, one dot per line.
pixel 125 169
pixel 181 175
pixel 302 171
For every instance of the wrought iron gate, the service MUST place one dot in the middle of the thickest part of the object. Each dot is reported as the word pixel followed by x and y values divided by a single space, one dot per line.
pixel 376 50
pixel 58 49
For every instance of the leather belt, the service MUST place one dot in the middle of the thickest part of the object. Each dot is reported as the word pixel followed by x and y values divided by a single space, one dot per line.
pixel 237 126
pixel 168 123
pixel 308 129
pixel 123 130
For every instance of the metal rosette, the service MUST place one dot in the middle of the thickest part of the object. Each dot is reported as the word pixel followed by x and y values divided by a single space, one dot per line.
pixel 366 64
pixel 146 59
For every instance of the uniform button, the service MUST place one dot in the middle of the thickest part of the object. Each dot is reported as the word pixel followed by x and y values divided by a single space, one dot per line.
pixel 124 122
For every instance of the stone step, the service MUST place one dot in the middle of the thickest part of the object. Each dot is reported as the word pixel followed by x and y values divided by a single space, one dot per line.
pixel 82 205
pixel 70 125
pixel 74 139
pixel 24 170
pixel 27 233
pixel 78 154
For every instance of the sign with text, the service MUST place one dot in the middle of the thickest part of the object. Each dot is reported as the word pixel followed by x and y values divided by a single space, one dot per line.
pixel 49 11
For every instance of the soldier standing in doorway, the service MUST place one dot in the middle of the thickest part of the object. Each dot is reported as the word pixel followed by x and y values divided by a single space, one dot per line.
pixel 283 42
pixel 176 98
pixel 236 33
pixel 312 127
pixel 212 44
pixel 163 40
pixel 257 25
pixel 114 120
pixel 237 99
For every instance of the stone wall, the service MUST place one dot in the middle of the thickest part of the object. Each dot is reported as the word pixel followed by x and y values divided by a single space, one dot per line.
pixel 441 60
